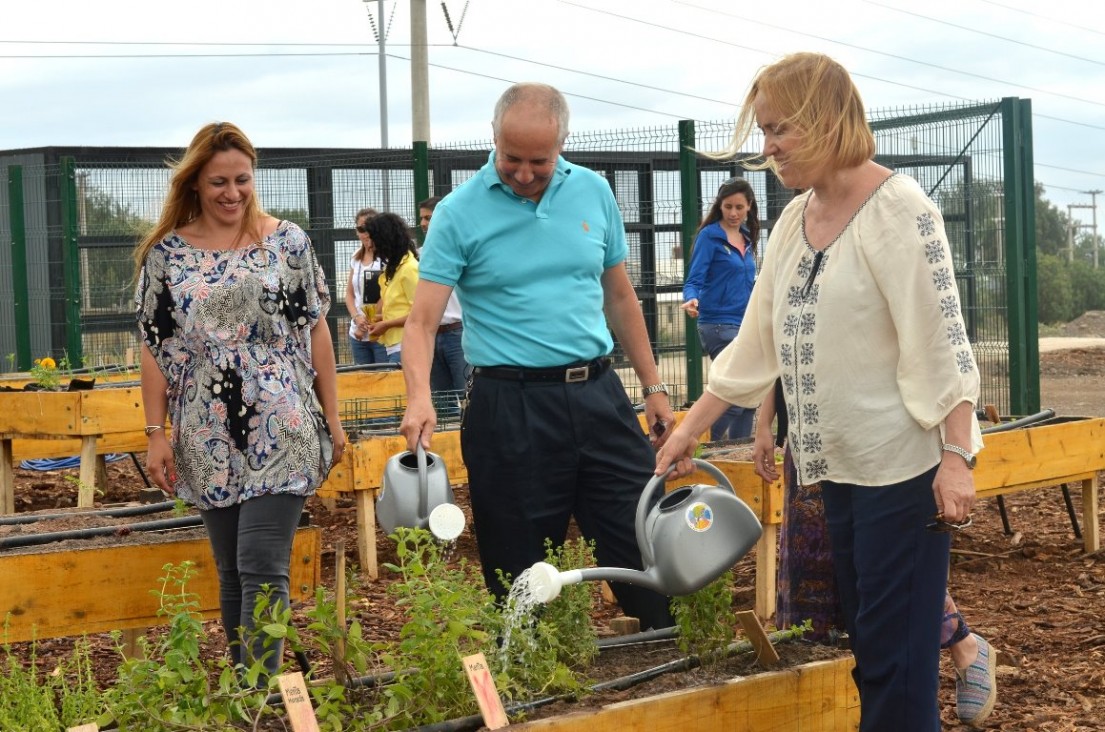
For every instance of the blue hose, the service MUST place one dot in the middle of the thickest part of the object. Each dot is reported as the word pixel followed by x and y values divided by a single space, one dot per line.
pixel 44 464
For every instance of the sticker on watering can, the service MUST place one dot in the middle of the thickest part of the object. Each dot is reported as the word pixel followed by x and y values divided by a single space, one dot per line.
pixel 700 517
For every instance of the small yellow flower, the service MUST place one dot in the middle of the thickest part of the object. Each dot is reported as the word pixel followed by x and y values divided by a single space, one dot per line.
pixel 47 363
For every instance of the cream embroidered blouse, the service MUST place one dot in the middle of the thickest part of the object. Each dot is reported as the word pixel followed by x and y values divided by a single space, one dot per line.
pixel 867 336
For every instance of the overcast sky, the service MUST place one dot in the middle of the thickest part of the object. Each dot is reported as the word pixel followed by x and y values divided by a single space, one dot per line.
pixel 304 73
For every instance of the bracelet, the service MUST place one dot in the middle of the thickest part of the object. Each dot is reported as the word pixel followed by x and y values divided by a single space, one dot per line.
pixel 660 388
pixel 151 428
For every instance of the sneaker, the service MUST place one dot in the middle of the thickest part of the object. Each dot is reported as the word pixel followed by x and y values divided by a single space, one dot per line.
pixel 976 687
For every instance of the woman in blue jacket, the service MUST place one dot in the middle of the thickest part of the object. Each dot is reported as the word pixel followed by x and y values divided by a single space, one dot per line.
pixel 719 283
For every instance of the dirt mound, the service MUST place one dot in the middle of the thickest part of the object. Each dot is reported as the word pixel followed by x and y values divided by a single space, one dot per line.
pixel 1090 324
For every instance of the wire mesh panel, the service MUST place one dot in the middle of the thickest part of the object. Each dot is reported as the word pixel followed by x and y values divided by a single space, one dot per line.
pixel 957 153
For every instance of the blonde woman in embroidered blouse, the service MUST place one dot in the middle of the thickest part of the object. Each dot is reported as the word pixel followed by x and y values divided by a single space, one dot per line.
pixel 856 309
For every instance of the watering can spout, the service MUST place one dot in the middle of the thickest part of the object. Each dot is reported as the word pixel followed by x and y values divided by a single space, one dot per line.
pixel 546 581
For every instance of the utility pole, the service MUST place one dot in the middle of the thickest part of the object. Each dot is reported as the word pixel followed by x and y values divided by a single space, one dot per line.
pixel 381 42
pixel 420 74
pixel 381 34
pixel 1096 245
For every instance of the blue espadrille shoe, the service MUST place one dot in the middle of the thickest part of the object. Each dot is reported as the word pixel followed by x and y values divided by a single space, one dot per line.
pixel 976 687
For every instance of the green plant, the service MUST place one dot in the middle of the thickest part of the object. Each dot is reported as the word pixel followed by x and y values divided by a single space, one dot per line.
pixel 556 643
pixel 45 373
pixel 65 697
pixel 449 613
pixel 172 687
pixel 25 701
pixel 706 620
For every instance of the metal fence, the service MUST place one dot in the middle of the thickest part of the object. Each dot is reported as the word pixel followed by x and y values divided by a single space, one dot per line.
pixel 73 216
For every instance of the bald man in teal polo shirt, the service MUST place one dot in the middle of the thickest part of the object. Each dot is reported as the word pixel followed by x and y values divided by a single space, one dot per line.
pixel 535 247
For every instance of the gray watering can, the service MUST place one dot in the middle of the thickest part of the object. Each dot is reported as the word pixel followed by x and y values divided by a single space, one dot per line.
pixel 416 494
pixel 687 540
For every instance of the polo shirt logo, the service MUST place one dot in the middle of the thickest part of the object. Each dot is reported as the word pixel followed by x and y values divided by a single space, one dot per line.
pixel 586 227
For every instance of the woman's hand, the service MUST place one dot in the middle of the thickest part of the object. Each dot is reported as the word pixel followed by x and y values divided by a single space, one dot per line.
pixel 954 487
pixel 763 456
pixel 678 450
pixel 340 440
pixel 377 329
pixel 691 307
pixel 160 465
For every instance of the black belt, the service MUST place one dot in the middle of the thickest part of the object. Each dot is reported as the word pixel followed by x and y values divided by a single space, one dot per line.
pixel 571 373
pixel 449 327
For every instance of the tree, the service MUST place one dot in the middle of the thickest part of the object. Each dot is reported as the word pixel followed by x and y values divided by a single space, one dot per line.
pixel 1051 226
pixel 1054 292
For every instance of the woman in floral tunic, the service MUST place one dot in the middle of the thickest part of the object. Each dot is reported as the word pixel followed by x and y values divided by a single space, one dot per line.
pixel 231 306
pixel 856 310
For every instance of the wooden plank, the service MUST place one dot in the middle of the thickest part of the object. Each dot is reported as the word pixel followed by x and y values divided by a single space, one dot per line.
pixel 800 699
pixel 47 412
pixel 118 409
pixel 86 480
pixel 766 570
pixel 1091 533
pixel 757 636
pixel 7 477
pixel 1025 456
pixel 62 593
pixel 366 533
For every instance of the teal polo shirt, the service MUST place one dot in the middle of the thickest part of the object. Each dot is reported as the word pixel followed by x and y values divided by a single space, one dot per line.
pixel 528 275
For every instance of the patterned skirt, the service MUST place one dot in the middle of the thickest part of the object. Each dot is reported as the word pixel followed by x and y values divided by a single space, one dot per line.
pixel 806 584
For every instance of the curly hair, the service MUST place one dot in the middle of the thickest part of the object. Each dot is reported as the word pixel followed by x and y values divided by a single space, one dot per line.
pixel 392 239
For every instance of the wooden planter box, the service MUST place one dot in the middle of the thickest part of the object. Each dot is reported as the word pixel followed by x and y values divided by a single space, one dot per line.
pixel 818 696
pixel 51 593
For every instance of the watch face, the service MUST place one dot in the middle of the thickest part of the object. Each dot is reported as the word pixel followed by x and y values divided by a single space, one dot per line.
pixel 971 462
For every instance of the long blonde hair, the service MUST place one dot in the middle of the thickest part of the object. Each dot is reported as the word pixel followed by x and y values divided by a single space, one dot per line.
pixel 814 94
pixel 182 203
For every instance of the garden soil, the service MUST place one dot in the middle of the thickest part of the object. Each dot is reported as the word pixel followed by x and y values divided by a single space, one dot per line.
pixel 1035 594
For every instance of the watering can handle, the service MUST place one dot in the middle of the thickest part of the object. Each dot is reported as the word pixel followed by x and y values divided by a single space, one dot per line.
pixel 657 483
pixel 423 480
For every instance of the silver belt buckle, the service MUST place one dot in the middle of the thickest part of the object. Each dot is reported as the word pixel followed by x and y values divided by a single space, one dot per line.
pixel 578 373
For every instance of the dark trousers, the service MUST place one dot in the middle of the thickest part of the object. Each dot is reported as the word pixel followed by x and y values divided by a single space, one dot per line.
pixel 892 577
pixel 538 454
pixel 252 544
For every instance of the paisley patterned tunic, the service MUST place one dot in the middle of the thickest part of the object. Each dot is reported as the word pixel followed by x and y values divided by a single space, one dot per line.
pixel 231 332
pixel 867 336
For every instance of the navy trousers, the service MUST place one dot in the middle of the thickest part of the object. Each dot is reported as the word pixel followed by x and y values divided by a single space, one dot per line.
pixel 892 576
pixel 540 453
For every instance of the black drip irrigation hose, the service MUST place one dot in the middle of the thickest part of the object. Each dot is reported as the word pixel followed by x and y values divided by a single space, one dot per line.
pixel 11 542
pixel 148 508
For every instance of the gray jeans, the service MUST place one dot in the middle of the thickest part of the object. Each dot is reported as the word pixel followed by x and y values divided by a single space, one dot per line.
pixel 252 544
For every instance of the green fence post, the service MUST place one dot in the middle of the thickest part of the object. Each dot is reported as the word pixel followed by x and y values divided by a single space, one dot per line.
pixel 71 261
pixel 421 180
pixel 691 210
pixel 1020 256
pixel 20 291
pixel 1028 209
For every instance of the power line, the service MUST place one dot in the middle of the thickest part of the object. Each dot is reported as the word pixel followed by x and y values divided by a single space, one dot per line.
pixel 889 55
pixel 1044 17
pixel 989 35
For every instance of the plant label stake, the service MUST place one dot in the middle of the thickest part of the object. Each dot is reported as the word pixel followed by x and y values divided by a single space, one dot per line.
pixel 765 652
pixel 487 696
pixel 90 727
pixel 293 690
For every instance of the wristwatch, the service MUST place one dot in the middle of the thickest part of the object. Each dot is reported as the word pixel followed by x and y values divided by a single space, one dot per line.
pixel 968 457
pixel 660 388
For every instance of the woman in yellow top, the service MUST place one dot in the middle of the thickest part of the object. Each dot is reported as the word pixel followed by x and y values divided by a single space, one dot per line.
pixel 395 247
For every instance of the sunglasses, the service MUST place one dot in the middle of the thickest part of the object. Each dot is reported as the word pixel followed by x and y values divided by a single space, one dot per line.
pixel 939 523
pixel 360 229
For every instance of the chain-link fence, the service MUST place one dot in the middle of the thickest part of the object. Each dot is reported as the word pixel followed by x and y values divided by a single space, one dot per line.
pixel 67 279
